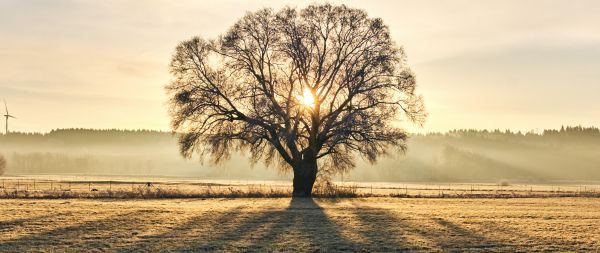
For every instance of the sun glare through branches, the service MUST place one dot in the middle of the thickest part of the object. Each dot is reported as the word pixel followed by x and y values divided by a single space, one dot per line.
pixel 306 99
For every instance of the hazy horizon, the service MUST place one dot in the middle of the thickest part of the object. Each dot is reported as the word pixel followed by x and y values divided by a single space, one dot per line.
pixel 463 156
pixel 280 125
pixel 537 131
pixel 482 65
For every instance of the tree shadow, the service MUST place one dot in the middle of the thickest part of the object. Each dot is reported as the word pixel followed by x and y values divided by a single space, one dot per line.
pixel 90 234
pixel 302 226
pixel 10 224
pixel 457 237
pixel 185 236
pixel 385 227
pixel 317 228
pixel 382 230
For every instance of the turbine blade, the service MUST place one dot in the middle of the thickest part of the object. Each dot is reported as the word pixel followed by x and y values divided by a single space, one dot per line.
pixel 5 107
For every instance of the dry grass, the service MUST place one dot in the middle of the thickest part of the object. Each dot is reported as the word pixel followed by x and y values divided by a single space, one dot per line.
pixel 141 191
pixel 151 192
pixel 59 189
pixel 281 224
pixel 52 186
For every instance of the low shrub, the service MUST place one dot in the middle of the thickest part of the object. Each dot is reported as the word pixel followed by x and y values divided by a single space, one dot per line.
pixel 327 189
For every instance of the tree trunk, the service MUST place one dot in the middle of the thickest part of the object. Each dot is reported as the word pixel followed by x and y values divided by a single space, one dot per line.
pixel 304 177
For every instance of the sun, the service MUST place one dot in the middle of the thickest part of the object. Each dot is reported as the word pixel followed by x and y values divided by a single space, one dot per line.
pixel 307 99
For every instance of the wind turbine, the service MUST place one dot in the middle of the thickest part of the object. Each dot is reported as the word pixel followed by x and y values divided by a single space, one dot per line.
pixel 6 116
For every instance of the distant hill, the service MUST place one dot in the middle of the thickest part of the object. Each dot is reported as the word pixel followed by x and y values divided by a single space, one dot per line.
pixel 566 154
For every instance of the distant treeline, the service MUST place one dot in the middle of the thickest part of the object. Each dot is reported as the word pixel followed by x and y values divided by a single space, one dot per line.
pixel 565 154
pixel 80 136
pixel 575 133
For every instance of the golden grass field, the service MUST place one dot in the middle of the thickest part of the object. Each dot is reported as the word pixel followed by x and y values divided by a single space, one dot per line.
pixel 282 224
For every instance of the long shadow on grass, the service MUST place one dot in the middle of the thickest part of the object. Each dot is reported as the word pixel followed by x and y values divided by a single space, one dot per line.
pixel 382 230
pixel 427 233
pixel 198 228
pixel 90 234
pixel 302 226
pixel 464 239
pixel 10 224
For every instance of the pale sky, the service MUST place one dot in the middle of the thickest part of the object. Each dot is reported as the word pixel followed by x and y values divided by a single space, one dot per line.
pixel 521 65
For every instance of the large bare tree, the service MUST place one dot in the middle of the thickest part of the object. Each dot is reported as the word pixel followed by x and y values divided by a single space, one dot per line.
pixel 306 89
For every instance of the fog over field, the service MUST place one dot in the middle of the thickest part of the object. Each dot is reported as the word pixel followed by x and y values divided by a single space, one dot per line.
pixel 570 154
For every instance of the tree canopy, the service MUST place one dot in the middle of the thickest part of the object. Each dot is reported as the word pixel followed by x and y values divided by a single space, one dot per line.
pixel 307 89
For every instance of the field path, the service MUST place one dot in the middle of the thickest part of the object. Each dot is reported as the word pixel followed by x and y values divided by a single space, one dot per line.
pixel 363 225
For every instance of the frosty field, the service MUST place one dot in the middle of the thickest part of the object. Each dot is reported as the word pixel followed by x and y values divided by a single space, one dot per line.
pixel 282 224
